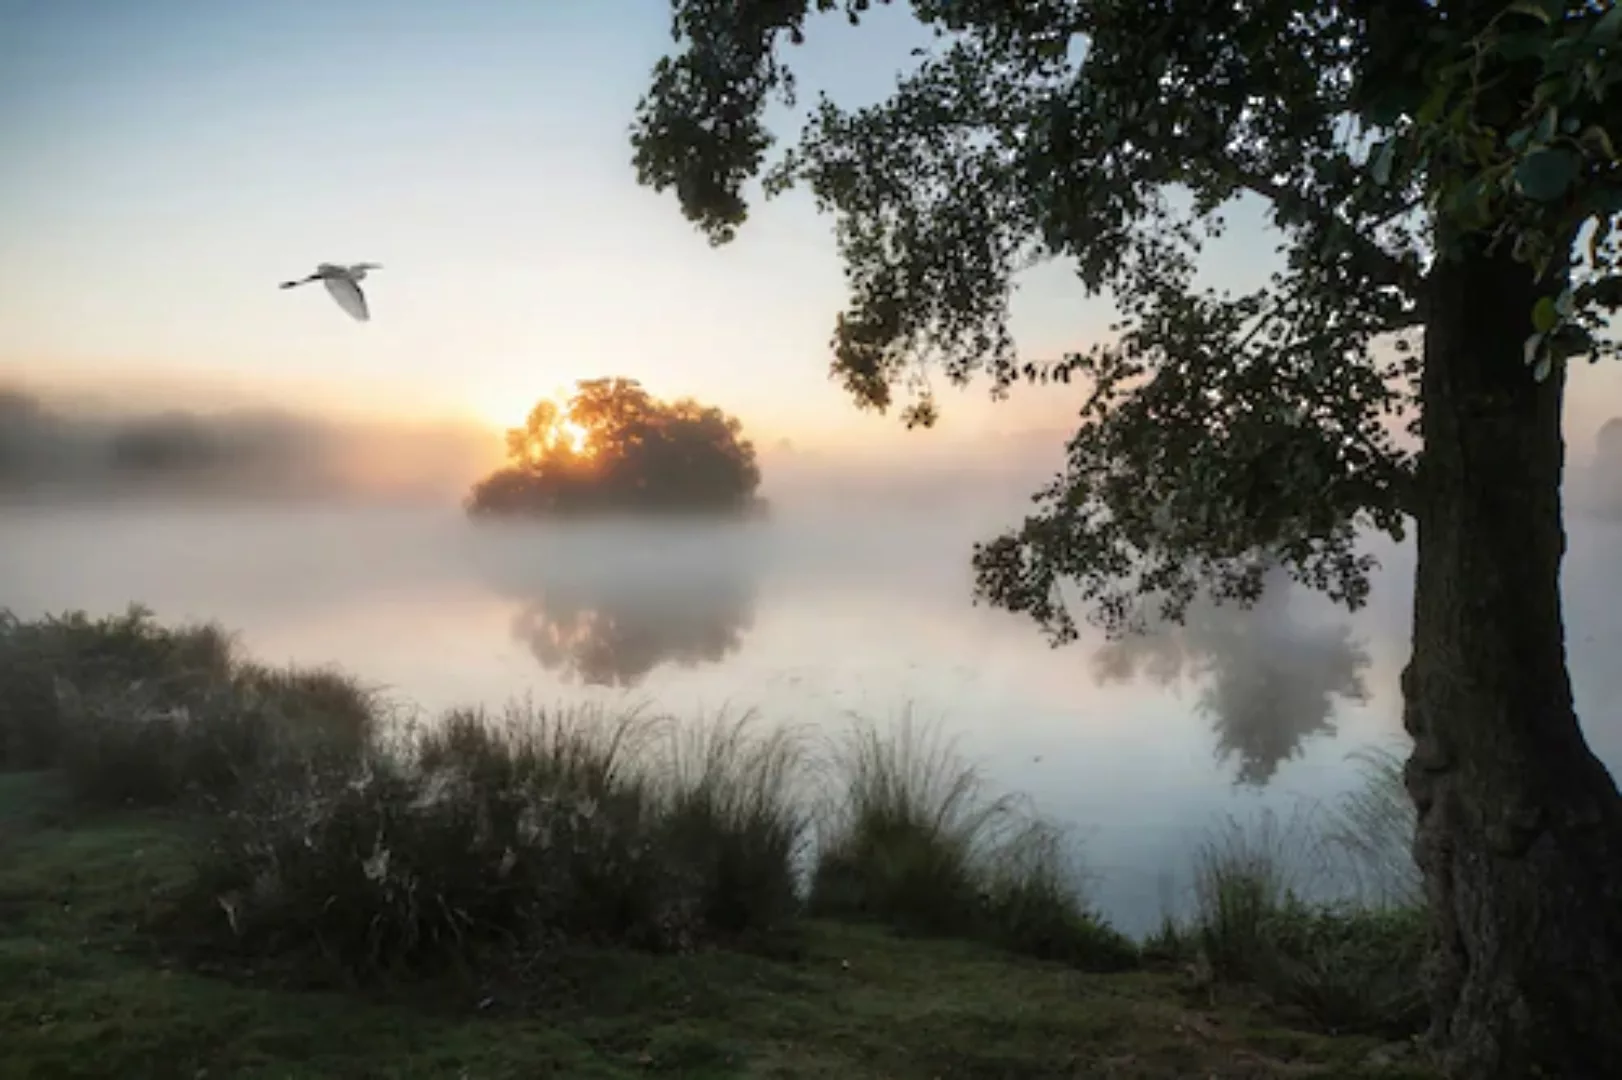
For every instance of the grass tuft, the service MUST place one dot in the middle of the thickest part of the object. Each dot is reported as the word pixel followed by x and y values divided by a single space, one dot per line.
pixel 1350 964
pixel 732 812
pixel 1370 833
pixel 912 839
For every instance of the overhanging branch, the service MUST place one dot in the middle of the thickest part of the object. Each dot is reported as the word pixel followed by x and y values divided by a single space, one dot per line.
pixel 1374 262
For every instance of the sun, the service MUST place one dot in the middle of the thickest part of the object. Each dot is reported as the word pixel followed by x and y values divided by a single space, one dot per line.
pixel 578 436
pixel 504 412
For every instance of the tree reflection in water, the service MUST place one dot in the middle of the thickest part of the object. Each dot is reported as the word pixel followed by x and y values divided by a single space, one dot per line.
pixel 1269 681
pixel 607 604
pixel 615 633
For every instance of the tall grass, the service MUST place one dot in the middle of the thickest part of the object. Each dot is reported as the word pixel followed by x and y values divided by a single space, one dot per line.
pixel 1370 831
pixel 1243 876
pixel 911 837
pixel 1351 963
pixel 514 832
pixel 378 847
pixel 733 799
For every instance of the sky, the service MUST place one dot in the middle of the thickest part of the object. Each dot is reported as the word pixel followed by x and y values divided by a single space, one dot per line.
pixel 169 162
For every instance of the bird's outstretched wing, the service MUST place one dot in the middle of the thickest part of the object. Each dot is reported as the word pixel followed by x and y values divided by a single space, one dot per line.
pixel 349 297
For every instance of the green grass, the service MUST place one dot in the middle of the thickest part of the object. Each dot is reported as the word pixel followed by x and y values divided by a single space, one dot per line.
pixel 912 839
pixel 208 867
pixel 93 995
pixel 1349 965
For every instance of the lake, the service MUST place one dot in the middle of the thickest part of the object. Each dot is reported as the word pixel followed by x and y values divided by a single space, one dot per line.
pixel 808 617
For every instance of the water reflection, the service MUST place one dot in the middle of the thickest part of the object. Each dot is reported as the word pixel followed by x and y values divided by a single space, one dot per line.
pixel 1270 681
pixel 608 607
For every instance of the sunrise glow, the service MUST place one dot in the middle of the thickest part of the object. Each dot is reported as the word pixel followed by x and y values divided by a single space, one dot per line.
pixel 578 436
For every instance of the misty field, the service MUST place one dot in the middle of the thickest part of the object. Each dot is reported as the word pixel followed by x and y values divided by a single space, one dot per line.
pixel 211 867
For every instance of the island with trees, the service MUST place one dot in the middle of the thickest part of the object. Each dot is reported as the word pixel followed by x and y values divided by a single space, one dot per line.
pixel 615 449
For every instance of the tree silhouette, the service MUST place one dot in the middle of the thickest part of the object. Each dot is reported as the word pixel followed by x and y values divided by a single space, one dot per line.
pixel 614 447
pixel 1270 681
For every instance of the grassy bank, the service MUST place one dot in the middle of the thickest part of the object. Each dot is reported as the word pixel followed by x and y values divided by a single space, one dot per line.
pixel 212 868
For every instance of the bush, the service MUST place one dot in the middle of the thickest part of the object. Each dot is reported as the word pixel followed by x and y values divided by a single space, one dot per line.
pixel 137 713
pixel 513 834
pixel 320 712
pixel 911 840
pixel 127 653
pixel 119 748
pixel 1349 969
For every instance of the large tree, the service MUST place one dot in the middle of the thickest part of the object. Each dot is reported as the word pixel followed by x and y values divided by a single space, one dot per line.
pixel 1429 166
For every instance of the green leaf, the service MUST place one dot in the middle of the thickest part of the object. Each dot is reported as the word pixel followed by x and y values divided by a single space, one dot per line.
pixel 1519 46
pixel 1533 346
pixel 1546 175
pixel 1544 315
pixel 1546 125
pixel 1570 341
pixel 1598 139
pixel 1609 29
pixel 1535 10
pixel 1541 370
pixel 1564 303
pixel 1431 111
pixel 1383 162
pixel 1392 101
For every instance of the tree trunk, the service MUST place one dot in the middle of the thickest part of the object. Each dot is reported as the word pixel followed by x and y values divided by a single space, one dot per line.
pixel 1520 826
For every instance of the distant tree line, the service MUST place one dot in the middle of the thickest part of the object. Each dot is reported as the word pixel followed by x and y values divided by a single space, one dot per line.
pixel 39 445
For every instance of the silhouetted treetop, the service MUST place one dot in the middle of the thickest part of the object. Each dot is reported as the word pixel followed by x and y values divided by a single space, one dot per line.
pixel 613 447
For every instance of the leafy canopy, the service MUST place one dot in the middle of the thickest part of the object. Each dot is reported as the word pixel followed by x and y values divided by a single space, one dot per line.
pixel 1223 433
pixel 615 447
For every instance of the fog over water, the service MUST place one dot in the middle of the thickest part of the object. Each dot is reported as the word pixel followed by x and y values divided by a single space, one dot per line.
pixel 326 543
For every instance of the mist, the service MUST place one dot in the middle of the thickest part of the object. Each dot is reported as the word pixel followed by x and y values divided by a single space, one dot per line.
pixel 62 452
pixel 1594 482
pixel 289 524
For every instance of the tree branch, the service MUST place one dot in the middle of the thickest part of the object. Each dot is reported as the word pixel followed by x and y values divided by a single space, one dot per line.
pixel 1376 263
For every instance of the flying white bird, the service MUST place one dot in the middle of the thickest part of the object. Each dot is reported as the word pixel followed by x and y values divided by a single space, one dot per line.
pixel 343 282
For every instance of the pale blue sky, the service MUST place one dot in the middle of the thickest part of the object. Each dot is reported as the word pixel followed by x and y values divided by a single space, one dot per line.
pixel 169 161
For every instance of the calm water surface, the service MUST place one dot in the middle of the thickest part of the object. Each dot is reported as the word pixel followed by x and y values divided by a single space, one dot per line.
pixel 808 618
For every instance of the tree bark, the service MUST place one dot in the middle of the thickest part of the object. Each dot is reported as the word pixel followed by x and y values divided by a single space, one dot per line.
pixel 1520 826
